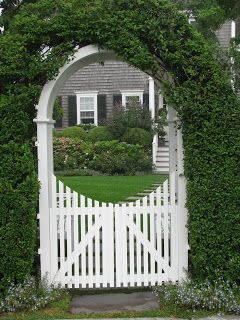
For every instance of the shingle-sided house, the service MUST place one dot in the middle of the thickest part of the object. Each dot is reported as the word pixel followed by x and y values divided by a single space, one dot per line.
pixel 90 94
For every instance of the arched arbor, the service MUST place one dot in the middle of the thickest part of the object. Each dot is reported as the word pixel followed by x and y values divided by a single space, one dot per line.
pixel 45 124
pixel 154 37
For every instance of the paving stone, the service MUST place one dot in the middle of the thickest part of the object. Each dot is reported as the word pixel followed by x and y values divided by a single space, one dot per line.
pixel 114 302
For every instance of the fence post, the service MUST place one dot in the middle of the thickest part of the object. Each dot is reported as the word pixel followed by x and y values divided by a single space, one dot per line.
pixel 182 212
pixel 45 171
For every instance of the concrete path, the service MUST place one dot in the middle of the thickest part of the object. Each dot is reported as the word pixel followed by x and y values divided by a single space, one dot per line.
pixel 99 303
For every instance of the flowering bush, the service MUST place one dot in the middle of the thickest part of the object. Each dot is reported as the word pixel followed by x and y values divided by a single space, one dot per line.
pixel 29 295
pixel 219 295
pixel 71 153
pixel 108 157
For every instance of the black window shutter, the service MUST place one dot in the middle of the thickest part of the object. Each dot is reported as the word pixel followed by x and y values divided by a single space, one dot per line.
pixel 238 27
pixel 72 111
pixel 146 100
pixel 117 100
pixel 101 109
pixel 58 122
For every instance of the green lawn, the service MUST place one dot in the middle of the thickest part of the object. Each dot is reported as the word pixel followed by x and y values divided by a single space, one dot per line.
pixel 111 188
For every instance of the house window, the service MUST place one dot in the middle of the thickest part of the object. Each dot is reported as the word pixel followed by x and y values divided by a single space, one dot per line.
pixel 87 107
pixel 132 97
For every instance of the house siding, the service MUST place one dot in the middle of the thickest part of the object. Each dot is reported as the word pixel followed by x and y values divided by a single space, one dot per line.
pixel 108 79
pixel 224 34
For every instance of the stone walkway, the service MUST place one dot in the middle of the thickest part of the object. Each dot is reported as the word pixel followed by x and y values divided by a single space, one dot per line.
pixel 117 302
pixel 101 303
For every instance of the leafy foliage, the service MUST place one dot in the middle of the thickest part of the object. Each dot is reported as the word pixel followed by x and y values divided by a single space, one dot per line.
pixel 134 117
pixel 138 136
pixel 100 133
pixel 150 35
pixel 73 132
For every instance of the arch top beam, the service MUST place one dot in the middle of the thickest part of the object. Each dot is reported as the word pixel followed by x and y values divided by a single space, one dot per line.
pixel 83 57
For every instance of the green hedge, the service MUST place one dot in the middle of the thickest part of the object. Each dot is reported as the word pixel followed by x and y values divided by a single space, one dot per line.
pixel 18 198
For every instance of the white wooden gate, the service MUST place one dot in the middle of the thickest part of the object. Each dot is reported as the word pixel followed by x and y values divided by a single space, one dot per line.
pixel 113 245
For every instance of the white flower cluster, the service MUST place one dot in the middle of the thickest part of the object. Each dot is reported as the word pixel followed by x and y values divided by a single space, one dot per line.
pixel 29 295
pixel 217 296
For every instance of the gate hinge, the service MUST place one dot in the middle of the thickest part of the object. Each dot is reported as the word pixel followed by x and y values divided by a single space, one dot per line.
pixel 39 251
pixel 188 247
pixel 38 216
pixel 36 143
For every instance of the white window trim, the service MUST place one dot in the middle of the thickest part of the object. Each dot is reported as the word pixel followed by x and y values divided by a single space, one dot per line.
pixel 87 94
pixel 131 93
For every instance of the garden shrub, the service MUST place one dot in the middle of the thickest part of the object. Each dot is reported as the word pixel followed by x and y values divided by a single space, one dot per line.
pixel 74 132
pixel 219 295
pixel 107 157
pixel 100 133
pixel 57 133
pixel 114 157
pixel 138 136
pixel 71 153
pixel 86 126
pixel 134 117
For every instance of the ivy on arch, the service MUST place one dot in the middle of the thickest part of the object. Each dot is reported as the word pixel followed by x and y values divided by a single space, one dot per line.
pixel 154 37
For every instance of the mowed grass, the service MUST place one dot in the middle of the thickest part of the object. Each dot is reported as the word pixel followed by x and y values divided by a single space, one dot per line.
pixel 111 188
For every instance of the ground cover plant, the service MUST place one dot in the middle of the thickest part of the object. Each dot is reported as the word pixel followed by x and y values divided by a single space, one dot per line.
pixel 111 188
pixel 217 296
pixel 154 37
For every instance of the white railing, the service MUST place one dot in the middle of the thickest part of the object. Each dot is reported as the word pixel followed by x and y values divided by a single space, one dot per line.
pixel 154 149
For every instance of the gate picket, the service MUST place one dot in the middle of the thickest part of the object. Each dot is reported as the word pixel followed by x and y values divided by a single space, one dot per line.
pixel 104 245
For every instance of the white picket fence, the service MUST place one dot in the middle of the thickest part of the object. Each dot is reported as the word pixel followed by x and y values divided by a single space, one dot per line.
pixel 97 244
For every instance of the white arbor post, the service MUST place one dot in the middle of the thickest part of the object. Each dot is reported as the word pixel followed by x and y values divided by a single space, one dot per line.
pixel 182 211
pixel 45 171
pixel 151 97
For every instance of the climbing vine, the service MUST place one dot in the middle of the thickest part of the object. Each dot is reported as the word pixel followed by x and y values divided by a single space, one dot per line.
pixel 154 37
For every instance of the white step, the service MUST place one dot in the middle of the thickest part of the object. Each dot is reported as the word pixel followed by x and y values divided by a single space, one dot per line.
pixel 162 159
pixel 162 170
pixel 163 149
pixel 162 154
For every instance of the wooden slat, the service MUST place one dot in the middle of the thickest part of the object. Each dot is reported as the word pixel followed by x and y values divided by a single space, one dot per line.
pixel 174 258
pixel 145 232
pixel 90 245
pixel 83 241
pixel 166 229
pixel 76 240
pixel 62 237
pixel 152 238
pixel 68 238
pixel 138 244
pixel 53 233
pixel 159 231
pixel 97 243
pixel 131 243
